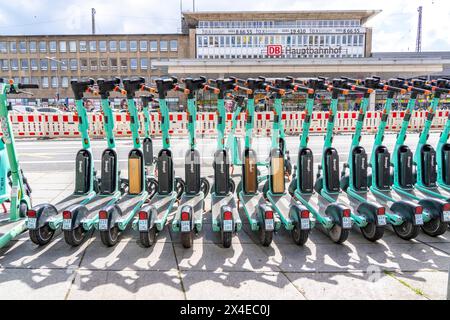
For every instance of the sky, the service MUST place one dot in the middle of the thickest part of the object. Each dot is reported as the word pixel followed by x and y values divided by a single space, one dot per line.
pixel 395 28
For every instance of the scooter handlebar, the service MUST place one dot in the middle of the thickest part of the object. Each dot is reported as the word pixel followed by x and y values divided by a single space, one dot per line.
pixel 133 85
pixel 106 86
pixel 80 87
pixel 27 86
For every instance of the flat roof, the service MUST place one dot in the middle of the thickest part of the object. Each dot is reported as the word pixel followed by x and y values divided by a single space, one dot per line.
pixel 192 18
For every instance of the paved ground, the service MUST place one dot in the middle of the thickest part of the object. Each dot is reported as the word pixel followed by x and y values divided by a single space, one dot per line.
pixel 390 269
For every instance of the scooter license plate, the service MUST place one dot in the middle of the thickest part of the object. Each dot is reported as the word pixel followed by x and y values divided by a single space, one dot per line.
pixel 185 226
pixel 103 224
pixel 446 216
pixel 143 225
pixel 419 219
pixel 305 224
pixel 381 220
pixel 67 224
pixel 346 222
pixel 31 224
pixel 228 225
pixel 269 224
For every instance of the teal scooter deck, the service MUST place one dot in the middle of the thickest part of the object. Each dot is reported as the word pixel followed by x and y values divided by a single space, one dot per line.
pixel 217 202
pixel 282 205
pixel 250 203
pixel 129 205
pixel 196 202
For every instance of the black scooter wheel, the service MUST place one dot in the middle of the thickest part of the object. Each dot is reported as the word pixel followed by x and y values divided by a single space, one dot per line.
pixel 407 230
pixel 226 239
pixel 372 232
pixel 110 237
pixel 299 236
pixel 338 234
pixel 74 237
pixel 265 237
pixel 179 187
pixel 435 227
pixel 42 236
pixel 187 239
pixel 148 238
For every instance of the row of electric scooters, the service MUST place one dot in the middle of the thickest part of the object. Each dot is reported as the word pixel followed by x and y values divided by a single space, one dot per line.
pixel 406 191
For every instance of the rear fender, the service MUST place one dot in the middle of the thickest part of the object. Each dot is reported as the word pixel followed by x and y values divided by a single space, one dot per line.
pixel 44 213
pixel 405 209
pixel 336 212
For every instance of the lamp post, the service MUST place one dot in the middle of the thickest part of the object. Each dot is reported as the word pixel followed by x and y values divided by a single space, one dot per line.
pixel 57 74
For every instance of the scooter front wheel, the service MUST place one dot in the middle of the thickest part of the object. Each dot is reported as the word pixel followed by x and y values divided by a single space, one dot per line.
pixel 74 237
pixel 226 239
pixel 338 234
pixel 42 235
pixel 187 239
pixel 372 232
pixel 299 236
pixel 110 237
pixel 148 238
pixel 435 227
pixel 407 230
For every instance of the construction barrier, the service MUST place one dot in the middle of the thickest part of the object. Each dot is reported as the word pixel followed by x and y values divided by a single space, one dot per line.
pixel 66 125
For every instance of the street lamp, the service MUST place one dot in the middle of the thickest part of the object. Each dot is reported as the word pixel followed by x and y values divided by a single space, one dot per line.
pixel 57 75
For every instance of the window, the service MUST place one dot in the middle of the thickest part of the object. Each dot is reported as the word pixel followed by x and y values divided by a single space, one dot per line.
pixel 33 64
pixel 65 82
pixel 144 63
pixel 122 46
pixel 93 46
pixel 24 64
pixel 73 46
pixel 44 81
pixel 103 64
pixel 151 64
pixel 153 45
pixel 64 63
pixel 54 82
pixel 42 46
pixel 14 64
pixel 23 47
pixel 143 46
pixel 173 45
pixel 133 64
pixel 52 45
pixel 3 47
pixel 94 64
pixel 83 64
pixel 25 80
pixel 124 63
pixel 34 80
pixel 113 63
pixel 13 47
pixel 33 47
pixel 163 45
pixel 102 46
pixel 113 46
pixel 83 46
pixel 73 64
pixel 133 46
pixel 53 65
pixel 5 64
pixel 62 46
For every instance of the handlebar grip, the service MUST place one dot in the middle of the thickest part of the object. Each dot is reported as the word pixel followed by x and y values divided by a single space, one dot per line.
pixel 28 86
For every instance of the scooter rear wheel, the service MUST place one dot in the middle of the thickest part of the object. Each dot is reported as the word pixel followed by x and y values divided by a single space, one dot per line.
pixel 265 237
pixel 299 236
pixel 74 237
pixel 187 239
pixel 407 230
pixel 372 232
pixel 148 238
pixel 42 236
pixel 435 227
pixel 110 237
pixel 338 234
pixel 226 239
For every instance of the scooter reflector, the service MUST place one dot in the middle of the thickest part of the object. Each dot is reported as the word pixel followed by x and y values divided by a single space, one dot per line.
pixel 250 171
pixel 405 170
pixel 446 163
pixel 135 172
pixel 82 171
pixel 277 171
pixel 221 173
pixel 147 145
pixel 332 170
pixel 359 162
pixel 165 172
pixel 305 165
pixel 383 168
pixel 109 167
pixel 429 173
pixel 192 172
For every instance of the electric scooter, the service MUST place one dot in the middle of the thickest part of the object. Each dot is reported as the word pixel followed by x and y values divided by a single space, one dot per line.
pixel 79 219
pixel 147 143
pixel 14 222
pixel 189 217
pixel 333 218
pixel 153 216
pixel 115 217
pixel 5 188
pixel 293 215
pixel 443 147
pixel 45 219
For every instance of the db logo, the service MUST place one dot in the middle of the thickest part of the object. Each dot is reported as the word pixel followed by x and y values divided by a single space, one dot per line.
pixel 274 50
